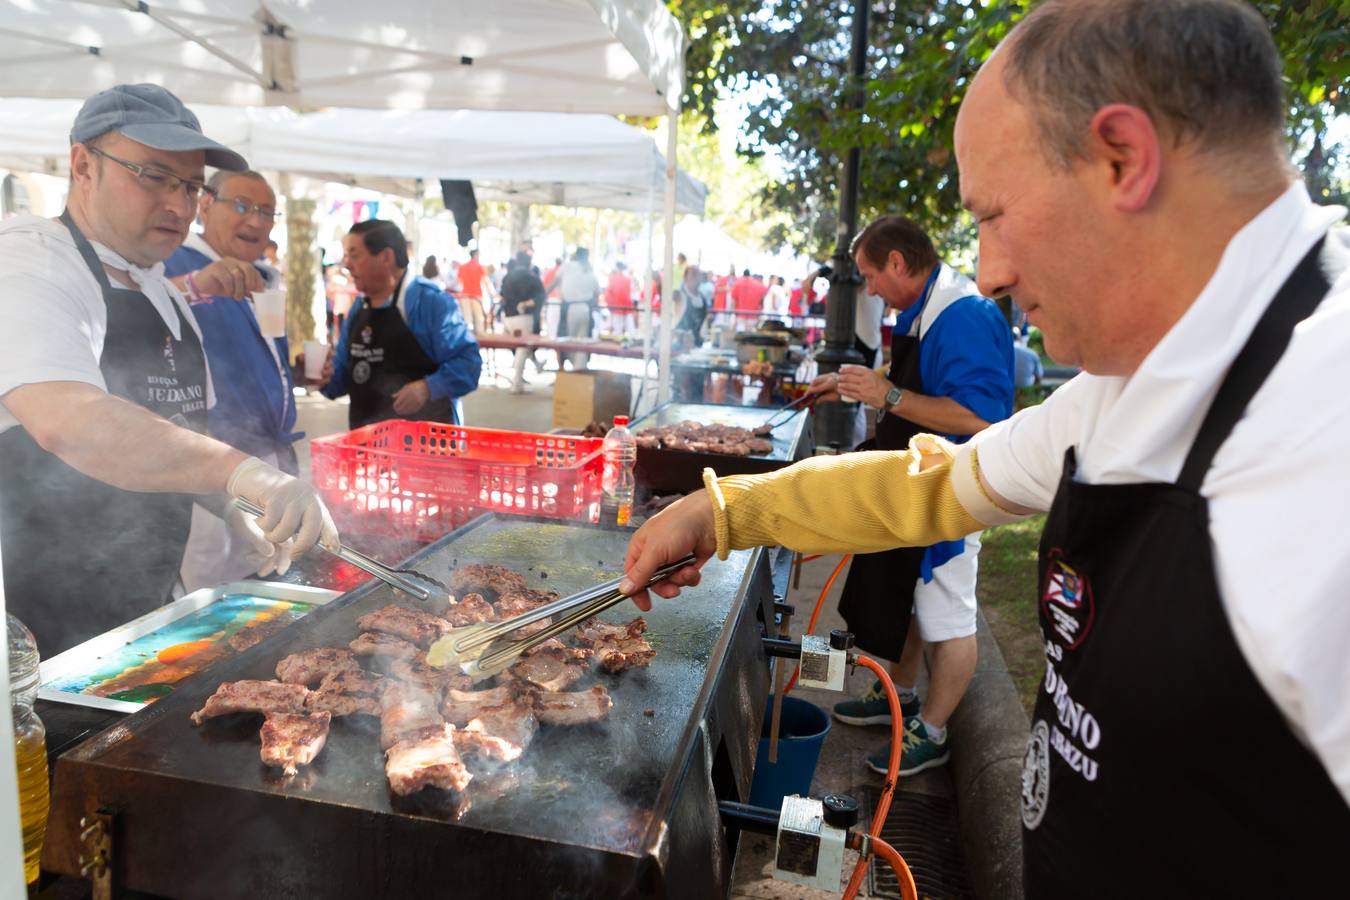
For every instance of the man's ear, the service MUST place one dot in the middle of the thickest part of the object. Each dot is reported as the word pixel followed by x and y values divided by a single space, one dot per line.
pixel 1124 143
pixel 82 163
pixel 896 258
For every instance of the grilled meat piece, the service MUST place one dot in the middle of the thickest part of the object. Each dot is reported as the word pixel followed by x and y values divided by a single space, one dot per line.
pixel 311 666
pixel 383 647
pixel 555 647
pixel 619 647
pixel 504 729
pixel 426 758
pixel 415 625
pixel 648 441
pixel 516 603
pixel 253 697
pixel 405 709
pixel 346 693
pixel 470 610
pixel 461 707
pixel 256 631
pixel 728 440
pixel 290 740
pixel 763 431
pixel 573 707
pixel 545 671
pixel 760 445
pixel 417 673
pixel 488 580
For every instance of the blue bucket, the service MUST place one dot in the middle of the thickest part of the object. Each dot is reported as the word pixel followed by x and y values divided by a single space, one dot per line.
pixel 801 732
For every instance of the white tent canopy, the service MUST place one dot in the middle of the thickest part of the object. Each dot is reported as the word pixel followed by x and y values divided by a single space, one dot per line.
pixel 614 56
pixel 586 160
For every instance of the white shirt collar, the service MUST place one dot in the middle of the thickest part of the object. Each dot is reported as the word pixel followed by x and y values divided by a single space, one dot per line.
pixel 196 241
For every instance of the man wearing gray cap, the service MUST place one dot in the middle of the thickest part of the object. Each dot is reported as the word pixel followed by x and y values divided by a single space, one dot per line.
pixel 104 388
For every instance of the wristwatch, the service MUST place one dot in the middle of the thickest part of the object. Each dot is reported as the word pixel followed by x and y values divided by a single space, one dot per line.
pixel 893 397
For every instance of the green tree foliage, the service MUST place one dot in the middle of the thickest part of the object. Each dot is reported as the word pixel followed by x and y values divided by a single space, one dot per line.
pixel 791 58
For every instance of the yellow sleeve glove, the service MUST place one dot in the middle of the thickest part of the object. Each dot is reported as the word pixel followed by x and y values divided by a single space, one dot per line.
pixel 852 503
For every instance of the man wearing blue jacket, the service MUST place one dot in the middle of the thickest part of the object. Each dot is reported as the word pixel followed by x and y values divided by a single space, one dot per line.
pixel 255 407
pixel 405 351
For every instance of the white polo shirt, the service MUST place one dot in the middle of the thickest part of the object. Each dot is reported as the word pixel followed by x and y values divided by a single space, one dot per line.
pixel 1278 489
pixel 52 308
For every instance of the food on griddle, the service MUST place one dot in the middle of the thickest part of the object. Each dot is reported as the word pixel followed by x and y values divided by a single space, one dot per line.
pixel 415 625
pixel 695 437
pixel 255 632
pixel 490 581
pixel 557 648
pixel 290 740
pixel 253 697
pixel 461 707
pixel 498 733
pixel 384 647
pixel 573 707
pixel 517 603
pixel 762 431
pixel 405 709
pixel 546 671
pixel 470 610
pixel 619 647
pixel 426 759
pixel 347 693
pixel 309 667
pixel 416 671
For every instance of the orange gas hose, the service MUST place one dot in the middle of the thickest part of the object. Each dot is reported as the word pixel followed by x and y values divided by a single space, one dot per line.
pixel 908 889
pixel 892 772
pixel 815 613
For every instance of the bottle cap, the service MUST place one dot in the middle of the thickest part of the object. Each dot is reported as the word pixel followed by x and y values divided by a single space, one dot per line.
pixel 620 420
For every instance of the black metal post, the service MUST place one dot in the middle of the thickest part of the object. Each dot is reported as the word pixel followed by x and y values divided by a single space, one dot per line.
pixel 834 428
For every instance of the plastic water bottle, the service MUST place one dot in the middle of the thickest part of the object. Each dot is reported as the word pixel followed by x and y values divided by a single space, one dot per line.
pixel 620 448
pixel 30 744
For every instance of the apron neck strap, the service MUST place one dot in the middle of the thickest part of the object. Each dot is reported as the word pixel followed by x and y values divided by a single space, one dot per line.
pixel 86 250
pixel 1295 301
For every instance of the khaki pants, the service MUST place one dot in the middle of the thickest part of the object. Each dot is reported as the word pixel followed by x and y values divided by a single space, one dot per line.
pixel 518 326
pixel 474 315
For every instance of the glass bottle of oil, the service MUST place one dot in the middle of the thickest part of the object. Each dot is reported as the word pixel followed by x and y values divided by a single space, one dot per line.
pixel 30 744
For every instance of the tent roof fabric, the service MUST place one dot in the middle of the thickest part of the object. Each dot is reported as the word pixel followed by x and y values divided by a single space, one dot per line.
pixel 586 160
pixel 614 56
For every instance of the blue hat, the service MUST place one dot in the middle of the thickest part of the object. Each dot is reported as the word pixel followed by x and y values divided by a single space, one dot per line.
pixel 150 115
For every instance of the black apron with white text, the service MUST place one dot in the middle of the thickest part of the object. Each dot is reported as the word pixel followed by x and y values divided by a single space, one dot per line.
pixel 1158 766
pixel 383 355
pixel 80 556
pixel 879 590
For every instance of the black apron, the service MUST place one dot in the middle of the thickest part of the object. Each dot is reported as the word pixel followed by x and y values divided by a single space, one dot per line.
pixel 878 593
pixel 383 355
pixel 1158 766
pixel 80 556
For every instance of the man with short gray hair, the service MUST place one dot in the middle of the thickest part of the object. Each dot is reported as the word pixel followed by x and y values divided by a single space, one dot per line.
pixel 104 389
pixel 1125 163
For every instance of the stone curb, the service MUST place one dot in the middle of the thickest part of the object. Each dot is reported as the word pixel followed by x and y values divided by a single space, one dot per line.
pixel 988 734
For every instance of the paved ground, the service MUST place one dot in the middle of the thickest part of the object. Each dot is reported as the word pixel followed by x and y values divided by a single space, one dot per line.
pixel 841 768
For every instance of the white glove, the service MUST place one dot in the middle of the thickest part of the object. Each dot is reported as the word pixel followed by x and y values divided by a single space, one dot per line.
pixel 294 519
pixel 263 556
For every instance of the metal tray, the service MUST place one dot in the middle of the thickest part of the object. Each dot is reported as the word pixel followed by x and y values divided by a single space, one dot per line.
pixel 62 674
pixel 682 471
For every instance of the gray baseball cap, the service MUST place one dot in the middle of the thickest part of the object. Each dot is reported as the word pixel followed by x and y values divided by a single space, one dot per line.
pixel 150 115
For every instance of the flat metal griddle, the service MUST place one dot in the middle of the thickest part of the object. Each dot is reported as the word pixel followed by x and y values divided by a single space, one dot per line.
pixel 626 808
pixel 682 470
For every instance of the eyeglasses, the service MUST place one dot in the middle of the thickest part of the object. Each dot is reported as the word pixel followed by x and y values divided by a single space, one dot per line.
pixel 157 180
pixel 244 208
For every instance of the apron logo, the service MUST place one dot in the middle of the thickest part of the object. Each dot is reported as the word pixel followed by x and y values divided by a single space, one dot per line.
pixel 366 334
pixel 168 354
pixel 361 372
pixel 1036 777
pixel 1067 601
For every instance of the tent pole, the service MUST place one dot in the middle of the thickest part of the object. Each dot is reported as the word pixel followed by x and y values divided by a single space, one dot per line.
pixel 668 280
pixel 645 285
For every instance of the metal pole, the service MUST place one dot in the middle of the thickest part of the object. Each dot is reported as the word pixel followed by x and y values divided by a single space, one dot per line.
pixel 668 280
pixel 645 288
pixel 834 421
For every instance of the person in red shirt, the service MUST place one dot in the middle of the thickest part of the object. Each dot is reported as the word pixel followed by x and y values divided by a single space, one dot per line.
pixel 722 289
pixel 618 297
pixel 747 296
pixel 471 293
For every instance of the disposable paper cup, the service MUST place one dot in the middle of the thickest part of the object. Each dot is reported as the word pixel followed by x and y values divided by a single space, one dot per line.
pixel 316 352
pixel 845 397
pixel 270 307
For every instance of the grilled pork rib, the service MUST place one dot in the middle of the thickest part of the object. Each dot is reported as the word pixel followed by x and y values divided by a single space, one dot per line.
pixel 415 625
pixel 426 759
pixel 573 707
pixel 290 740
pixel 253 697
pixel 383 647
pixel 311 666
pixel 490 581
pixel 470 610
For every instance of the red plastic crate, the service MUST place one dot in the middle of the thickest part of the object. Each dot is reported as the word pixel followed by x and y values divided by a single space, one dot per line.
pixel 424 479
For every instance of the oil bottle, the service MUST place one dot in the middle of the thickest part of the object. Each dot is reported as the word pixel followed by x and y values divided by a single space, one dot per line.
pixel 30 744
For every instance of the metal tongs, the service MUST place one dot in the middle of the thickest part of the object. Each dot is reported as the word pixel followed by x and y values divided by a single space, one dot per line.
pixel 804 399
pixel 482 650
pixel 393 577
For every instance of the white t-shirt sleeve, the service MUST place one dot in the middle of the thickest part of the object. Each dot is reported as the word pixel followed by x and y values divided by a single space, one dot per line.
pixel 51 333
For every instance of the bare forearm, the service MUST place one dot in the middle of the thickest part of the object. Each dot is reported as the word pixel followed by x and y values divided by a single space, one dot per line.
pixel 118 442
pixel 941 414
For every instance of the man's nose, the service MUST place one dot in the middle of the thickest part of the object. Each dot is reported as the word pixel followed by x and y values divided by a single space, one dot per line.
pixel 993 273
